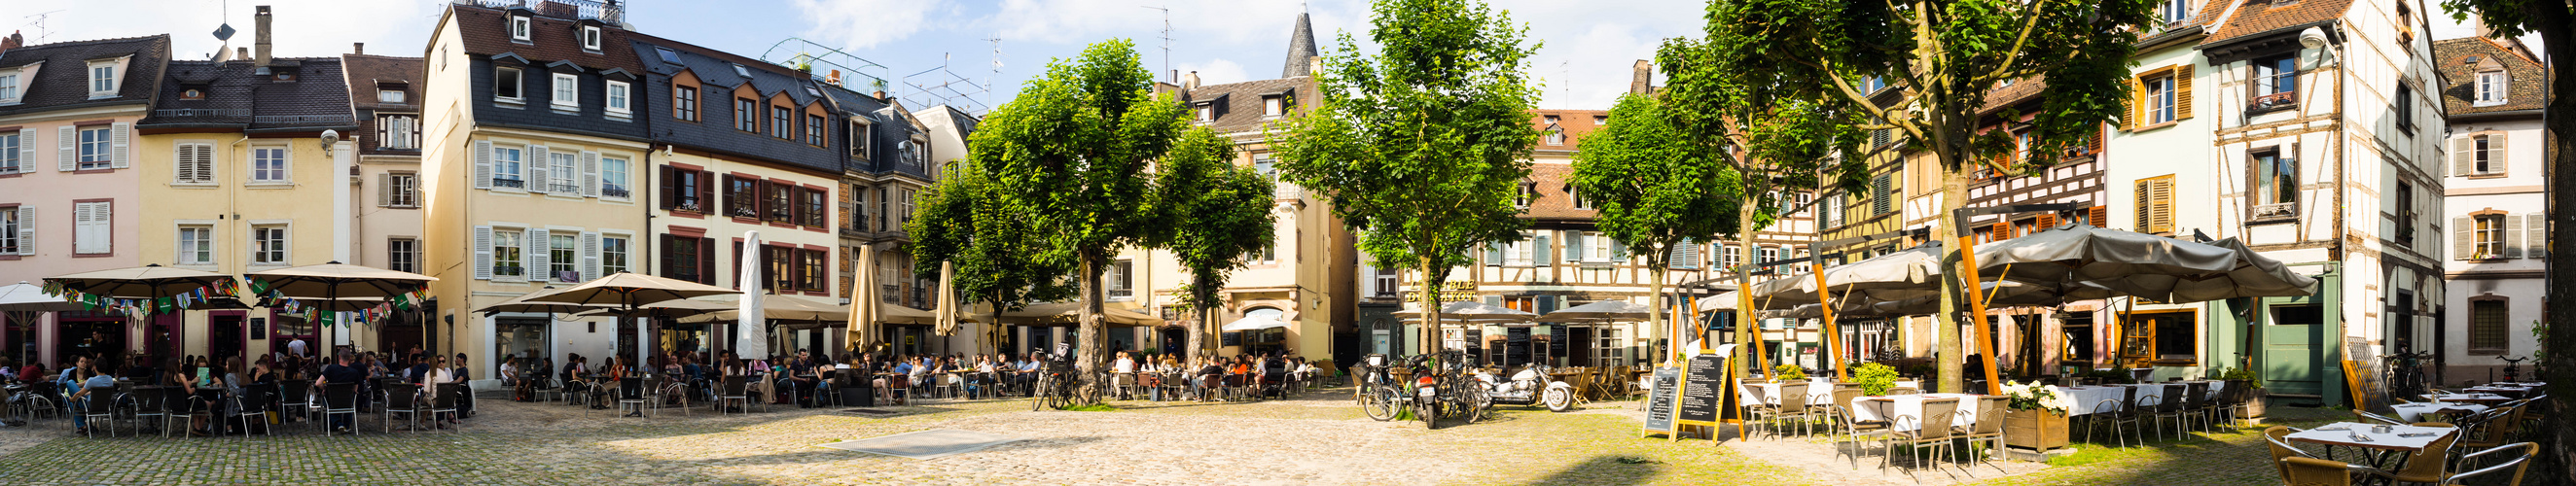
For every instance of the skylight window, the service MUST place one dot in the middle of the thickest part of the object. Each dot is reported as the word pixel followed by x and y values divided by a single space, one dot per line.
pixel 745 72
pixel 668 57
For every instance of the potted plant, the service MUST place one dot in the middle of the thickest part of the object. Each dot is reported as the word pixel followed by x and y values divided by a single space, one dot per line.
pixel 2252 383
pixel 1874 379
pixel 1788 372
pixel 2035 416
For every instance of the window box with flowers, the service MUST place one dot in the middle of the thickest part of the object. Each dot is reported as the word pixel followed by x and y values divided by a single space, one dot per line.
pixel 2035 418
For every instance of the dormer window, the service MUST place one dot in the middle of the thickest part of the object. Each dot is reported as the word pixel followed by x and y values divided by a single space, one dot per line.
pixel 389 96
pixel 860 133
pixel 519 28
pixel 192 94
pixel 2491 88
pixel 567 92
pixel 103 76
pixel 590 38
pixel 9 87
pixel 282 75
pixel 1556 137
pixel 1273 105
pixel 2173 11
pixel 1207 113
pixel 506 85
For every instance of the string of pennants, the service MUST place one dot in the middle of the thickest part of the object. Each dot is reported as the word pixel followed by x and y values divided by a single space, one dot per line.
pixel 140 308
pixel 271 298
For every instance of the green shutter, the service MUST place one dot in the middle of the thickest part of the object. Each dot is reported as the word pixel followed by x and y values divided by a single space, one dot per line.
pixel 1540 255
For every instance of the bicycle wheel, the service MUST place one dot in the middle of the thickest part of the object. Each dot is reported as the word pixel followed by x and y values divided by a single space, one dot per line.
pixel 1378 406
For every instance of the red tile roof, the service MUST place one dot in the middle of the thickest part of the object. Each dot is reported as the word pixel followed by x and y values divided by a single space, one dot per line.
pixel 2261 17
pixel 2524 89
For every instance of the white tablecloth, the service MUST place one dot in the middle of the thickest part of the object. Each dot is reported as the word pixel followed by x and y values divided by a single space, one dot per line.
pixel 2414 412
pixel 1892 406
pixel 2089 398
pixel 1818 393
pixel 2158 390
pixel 2389 441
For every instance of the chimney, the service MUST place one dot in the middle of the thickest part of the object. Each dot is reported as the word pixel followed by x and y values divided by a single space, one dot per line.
pixel 13 41
pixel 880 94
pixel 359 48
pixel 240 53
pixel 1642 79
pixel 1190 82
pixel 261 20
pixel 2480 23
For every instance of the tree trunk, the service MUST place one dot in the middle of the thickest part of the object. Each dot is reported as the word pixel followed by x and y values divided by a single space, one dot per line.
pixel 1088 350
pixel 1433 280
pixel 1954 194
pixel 2558 137
pixel 1657 319
pixel 1746 337
pixel 1200 314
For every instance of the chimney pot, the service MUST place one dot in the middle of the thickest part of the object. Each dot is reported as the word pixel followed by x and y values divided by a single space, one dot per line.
pixel 880 94
pixel 240 53
pixel 1190 82
pixel 359 48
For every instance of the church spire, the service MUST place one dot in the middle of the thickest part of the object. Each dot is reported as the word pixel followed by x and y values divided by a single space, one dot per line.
pixel 1301 49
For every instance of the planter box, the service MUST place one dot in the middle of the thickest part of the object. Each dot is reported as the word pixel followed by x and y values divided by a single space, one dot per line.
pixel 2035 429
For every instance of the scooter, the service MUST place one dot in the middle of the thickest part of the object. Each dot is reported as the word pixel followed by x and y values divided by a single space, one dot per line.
pixel 1530 386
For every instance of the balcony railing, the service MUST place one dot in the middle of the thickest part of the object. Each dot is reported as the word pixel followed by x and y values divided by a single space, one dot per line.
pixel 1285 190
pixel 612 12
pixel 617 192
pixel 509 183
pixel 559 188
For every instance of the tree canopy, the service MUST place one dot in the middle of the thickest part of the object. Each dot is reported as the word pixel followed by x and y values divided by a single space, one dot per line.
pixel 962 220
pixel 1217 212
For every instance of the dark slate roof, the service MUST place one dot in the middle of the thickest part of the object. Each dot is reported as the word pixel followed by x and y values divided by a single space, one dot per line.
pixel 1301 48
pixel 1240 110
pixel 554 46
pixel 486 33
pixel 238 96
pixel 2257 18
pixel 717 74
pixel 369 73
pixel 63 82
pixel 2523 75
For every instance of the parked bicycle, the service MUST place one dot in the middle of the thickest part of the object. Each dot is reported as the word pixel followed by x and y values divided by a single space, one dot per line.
pixel 1059 387
pixel 2405 374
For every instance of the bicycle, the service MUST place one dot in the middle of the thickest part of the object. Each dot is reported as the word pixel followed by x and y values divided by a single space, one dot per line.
pixel 2405 375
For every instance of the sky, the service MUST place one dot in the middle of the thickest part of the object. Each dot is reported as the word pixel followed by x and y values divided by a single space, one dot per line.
pixel 1587 51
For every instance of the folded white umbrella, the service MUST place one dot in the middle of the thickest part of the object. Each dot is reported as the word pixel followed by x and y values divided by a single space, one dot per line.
pixel 1252 323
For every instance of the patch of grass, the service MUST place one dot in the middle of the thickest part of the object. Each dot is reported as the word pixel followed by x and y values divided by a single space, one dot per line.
pixel 1096 407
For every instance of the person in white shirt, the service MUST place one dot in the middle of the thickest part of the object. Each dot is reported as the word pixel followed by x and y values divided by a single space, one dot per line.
pixel 429 388
pixel 1125 375
pixel 296 347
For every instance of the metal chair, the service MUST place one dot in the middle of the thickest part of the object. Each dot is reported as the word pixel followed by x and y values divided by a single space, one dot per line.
pixel 1860 431
pixel 444 403
pixel 2201 405
pixel 100 411
pixel 673 390
pixel 631 392
pixel 736 391
pixel 1758 406
pixel 149 406
pixel 295 398
pixel 1931 431
pixel 180 407
pixel 2168 405
pixel 402 399
pixel 253 404
pixel 339 399
pixel 2515 462
pixel 1792 406
pixel 2113 413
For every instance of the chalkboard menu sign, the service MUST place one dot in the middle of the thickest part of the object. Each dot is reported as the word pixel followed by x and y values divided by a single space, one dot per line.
pixel 1659 402
pixel 1704 380
pixel 1233 338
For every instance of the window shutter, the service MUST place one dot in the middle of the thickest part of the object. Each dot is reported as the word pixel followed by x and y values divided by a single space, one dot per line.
pixel 483 167
pixel 67 140
pixel 2098 215
pixel 2182 91
pixel 2164 211
pixel 1540 253
pixel 589 174
pixel 539 256
pixel 2463 155
pixel 726 208
pixel 26 229
pixel 2535 235
pixel 119 135
pixel 663 255
pixel 706 261
pixel 707 192
pixel 2464 239
pixel 1574 246
pixel 2047 221
pixel 483 252
pixel 2496 153
pixel 2130 104
pixel 2512 236
pixel 384 189
pixel 589 256
pixel 795 204
pixel 539 168
pixel 1494 254
pixel 2003 230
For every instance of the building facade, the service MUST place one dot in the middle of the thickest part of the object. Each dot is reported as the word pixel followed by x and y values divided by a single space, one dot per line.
pixel 385 97
pixel 70 184
pixel 2493 205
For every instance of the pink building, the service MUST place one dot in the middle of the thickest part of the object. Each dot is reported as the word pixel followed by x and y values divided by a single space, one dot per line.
pixel 68 187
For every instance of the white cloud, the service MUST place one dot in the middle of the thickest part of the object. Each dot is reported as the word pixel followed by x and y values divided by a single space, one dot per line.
pixel 862 24
pixel 300 28
pixel 1219 71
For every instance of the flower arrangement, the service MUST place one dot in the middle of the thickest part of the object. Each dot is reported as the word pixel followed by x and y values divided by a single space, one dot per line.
pixel 1874 379
pixel 2036 396
pixel 1788 372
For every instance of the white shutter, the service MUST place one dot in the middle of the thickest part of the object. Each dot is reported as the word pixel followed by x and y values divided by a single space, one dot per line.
pixel 384 189
pixel 90 228
pixel 2497 154
pixel 26 229
pixel 2535 235
pixel 536 166
pixel 202 163
pixel 589 255
pixel 2512 236
pixel 2464 238
pixel 540 261
pixel 2463 156
pixel 483 250
pixel 483 172
pixel 589 174
pixel 68 141
pixel 120 135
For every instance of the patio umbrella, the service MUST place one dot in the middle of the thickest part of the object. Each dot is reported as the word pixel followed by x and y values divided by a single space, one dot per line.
pixel 1726 301
pixel 149 284
pixel 631 291
pixel 751 332
pixel 944 316
pixel 687 310
pixel 1468 311
pixel 1252 323
pixel 1056 314
pixel 23 301
pixel 334 281
pixel 1901 275
pixel 2085 253
pixel 521 304
pixel 863 303
pixel 2254 275
pixel 773 307
pixel 1603 311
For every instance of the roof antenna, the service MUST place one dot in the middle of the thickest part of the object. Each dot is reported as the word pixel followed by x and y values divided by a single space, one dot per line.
pixel 1167 39
pixel 42 33
pixel 997 71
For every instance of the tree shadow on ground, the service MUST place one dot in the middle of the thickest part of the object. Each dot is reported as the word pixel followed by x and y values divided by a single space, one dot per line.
pixel 1605 470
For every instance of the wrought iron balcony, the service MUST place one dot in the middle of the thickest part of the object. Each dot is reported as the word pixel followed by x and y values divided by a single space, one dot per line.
pixel 619 192
pixel 513 183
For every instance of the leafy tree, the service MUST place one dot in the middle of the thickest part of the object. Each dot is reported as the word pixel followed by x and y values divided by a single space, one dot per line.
pixel 962 220
pixel 1945 57
pixel 2555 22
pixel 1653 186
pixel 1218 213
pixel 1423 146
pixel 1077 148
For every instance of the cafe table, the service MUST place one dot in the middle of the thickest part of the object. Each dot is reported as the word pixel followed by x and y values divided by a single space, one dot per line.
pixel 2381 448
pixel 1818 393
pixel 1887 408
pixel 2477 398
pixel 2089 398
pixel 2511 391
pixel 2416 412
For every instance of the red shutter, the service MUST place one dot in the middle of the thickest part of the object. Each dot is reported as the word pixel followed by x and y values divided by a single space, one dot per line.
pixel 669 186
pixel 2097 214
pixel 668 268
pixel 731 198
pixel 707 192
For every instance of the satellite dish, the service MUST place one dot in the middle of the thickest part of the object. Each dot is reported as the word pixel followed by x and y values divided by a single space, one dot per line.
pixel 224 32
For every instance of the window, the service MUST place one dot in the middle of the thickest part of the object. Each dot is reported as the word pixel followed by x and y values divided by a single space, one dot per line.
pixel 2492 87
pixel 2406 108
pixel 1273 105
pixel 1121 280
pixel 684 103
pixel 519 28
pixel 1610 346
pixel 401 190
pixel 811 271
pixel 402 255
pixel 2155 204
pixel 11 231
pixel 1528 192
pixel 2160 99
pixel 814 129
pixel 2174 335
pixel 398 132
pixel 563 173
pixel 778 126
pixel 92 229
pixel 567 91
pixel 389 96
pixel 2479 155
pixel 563 259
pixel 1521 253
pixel 613 251
pixel 815 212
pixel 612 178
pixel 684 189
pixel 743 117
pixel 907 207
pixel 505 167
pixel 9 87
pixel 2276 184
pixel 2173 11
pixel 617 104
pixel 782 268
pixel 741 197
pixel 2489 331
pixel 508 252
pixel 1600 120
pixel 1207 113
pixel 11 161
pixel 1556 136
pixel 1871 84
pixel 1882 194
pixel 1387 280
pixel 506 85
pixel 2486 237
pixel 2276 83
pixel 196 245
pixel 196 161
pixel 860 131
pixel 682 257
pixel 268 165
pixel 590 38
pixel 781 202
pixel 1768 254
pixel 1596 247
pixel 1575 196
pixel 2405 213
pixel 268 244
pixel 102 78
pixel 95 151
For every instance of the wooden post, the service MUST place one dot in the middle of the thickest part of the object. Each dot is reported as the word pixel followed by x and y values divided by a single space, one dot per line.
pixel 1824 297
pixel 1977 304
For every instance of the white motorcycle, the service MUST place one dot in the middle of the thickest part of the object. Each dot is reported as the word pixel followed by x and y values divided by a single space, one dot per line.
pixel 1530 386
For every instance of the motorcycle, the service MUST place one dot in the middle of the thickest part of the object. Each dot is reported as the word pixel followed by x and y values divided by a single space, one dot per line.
pixel 1530 386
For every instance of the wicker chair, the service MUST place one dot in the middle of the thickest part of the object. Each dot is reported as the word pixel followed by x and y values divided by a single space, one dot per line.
pixel 2430 464
pixel 1931 431
pixel 1989 427
pixel 2497 429
pixel 2309 471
